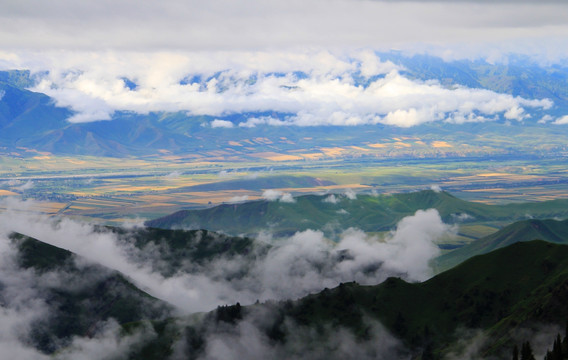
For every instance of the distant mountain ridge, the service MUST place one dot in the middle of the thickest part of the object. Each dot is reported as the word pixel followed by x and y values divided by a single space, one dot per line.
pixel 32 120
pixel 366 212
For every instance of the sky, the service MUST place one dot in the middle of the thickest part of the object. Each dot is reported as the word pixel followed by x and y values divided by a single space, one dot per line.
pixel 214 25
pixel 85 49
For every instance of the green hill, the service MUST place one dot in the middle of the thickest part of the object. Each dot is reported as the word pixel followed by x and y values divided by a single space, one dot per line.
pixel 497 293
pixel 549 230
pixel 369 213
pixel 84 296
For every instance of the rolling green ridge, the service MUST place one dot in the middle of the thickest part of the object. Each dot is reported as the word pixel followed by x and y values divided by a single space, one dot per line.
pixel 499 293
pixel 511 288
pixel 507 289
pixel 368 213
pixel 89 295
pixel 549 230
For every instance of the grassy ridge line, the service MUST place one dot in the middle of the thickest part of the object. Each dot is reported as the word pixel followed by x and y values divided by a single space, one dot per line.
pixel 548 230
pixel 497 293
pixel 93 294
pixel 369 213
pixel 507 289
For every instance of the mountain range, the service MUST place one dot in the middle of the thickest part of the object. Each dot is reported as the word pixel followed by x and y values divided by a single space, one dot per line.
pixel 489 299
pixel 32 120
pixel 333 212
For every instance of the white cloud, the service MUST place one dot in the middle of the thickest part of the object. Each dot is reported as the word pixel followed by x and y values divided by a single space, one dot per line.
pixel 272 195
pixel 267 120
pixel 223 174
pixel 303 263
pixel 173 175
pixel 287 198
pixel 246 340
pixel 221 124
pixel 109 342
pixel 276 195
pixel 461 217
pixel 436 188
pixel 545 119
pixel 515 113
pixel 414 243
pixel 328 93
pixel 26 308
pixel 561 120
pixel 28 185
pixel 351 195
pixel 332 199
pixel 238 199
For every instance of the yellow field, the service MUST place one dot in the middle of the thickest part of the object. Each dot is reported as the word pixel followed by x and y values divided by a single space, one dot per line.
pixel 441 144
pixel 493 174
pixel 333 152
pixel 359 148
pixel 272 156
pixel 313 156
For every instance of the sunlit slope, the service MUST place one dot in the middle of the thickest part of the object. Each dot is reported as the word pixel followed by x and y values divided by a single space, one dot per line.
pixel 549 230
pixel 80 295
pixel 369 213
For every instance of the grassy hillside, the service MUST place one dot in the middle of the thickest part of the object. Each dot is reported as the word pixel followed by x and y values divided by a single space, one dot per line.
pixel 549 230
pixel 87 295
pixel 369 213
pixel 498 293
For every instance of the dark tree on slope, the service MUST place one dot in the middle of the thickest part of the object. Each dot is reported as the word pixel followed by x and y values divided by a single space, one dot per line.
pixel 526 352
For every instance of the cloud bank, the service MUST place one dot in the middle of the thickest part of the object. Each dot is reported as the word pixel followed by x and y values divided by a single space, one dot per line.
pixel 198 26
pixel 313 88
pixel 290 268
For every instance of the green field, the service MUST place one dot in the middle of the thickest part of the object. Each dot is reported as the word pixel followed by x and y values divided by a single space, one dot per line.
pixel 114 190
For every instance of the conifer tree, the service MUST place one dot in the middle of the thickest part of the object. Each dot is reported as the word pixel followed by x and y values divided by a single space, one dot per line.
pixel 526 352
pixel 557 348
